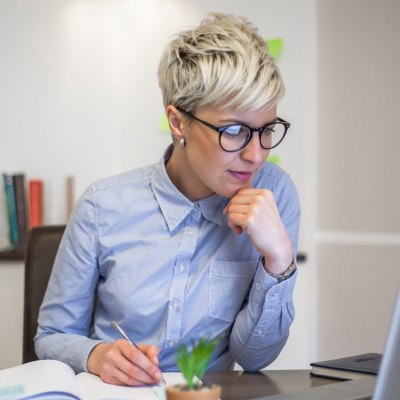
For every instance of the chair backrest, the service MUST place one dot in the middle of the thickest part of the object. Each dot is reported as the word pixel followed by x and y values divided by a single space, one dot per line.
pixel 43 242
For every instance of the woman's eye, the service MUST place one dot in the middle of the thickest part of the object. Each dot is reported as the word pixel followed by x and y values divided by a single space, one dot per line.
pixel 234 130
pixel 268 130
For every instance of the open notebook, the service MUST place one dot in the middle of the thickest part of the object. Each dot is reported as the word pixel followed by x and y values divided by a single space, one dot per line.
pixel 385 387
pixel 54 380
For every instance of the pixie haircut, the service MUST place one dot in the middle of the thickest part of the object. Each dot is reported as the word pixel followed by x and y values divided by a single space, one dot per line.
pixel 223 62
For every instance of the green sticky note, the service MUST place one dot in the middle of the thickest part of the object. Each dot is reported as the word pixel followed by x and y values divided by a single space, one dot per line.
pixel 274 158
pixel 164 125
pixel 275 47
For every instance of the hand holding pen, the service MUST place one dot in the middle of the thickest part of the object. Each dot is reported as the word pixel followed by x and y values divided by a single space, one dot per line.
pixel 123 335
pixel 123 363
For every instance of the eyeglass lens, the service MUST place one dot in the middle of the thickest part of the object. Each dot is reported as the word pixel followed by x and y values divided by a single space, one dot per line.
pixel 235 137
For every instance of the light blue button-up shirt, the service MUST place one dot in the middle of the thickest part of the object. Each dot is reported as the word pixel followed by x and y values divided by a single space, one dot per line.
pixel 168 270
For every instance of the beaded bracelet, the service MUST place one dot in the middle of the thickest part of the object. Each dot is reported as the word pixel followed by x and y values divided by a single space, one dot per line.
pixel 284 275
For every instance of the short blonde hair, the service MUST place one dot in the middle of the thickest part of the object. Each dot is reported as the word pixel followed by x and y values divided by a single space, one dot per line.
pixel 223 62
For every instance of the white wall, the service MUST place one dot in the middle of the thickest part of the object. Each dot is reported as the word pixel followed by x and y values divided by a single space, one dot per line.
pixel 79 96
pixel 358 223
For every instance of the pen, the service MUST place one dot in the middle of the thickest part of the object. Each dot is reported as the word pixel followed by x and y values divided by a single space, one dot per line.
pixel 125 336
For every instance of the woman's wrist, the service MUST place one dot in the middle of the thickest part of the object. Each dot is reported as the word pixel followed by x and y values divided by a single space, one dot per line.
pixel 93 361
pixel 283 274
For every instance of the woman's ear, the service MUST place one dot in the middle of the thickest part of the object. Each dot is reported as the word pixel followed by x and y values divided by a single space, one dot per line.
pixel 176 122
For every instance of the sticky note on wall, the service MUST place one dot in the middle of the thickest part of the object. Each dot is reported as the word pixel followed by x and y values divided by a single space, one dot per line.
pixel 164 126
pixel 275 47
pixel 274 158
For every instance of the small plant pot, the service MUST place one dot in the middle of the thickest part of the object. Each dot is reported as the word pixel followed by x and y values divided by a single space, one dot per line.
pixel 180 392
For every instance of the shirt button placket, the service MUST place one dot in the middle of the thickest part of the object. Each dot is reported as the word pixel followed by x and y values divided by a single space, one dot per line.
pixel 180 279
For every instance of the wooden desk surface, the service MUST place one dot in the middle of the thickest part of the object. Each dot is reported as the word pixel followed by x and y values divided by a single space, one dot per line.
pixel 238 385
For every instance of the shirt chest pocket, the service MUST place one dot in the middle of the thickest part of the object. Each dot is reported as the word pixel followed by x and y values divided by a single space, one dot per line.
pixel 229 283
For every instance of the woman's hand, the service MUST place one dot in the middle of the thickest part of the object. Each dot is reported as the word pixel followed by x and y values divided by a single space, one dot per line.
pixel 255 212
pixel 120 363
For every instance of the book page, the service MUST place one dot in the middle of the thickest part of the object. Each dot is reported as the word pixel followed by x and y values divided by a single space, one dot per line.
pixel 28 380
pixel 95 389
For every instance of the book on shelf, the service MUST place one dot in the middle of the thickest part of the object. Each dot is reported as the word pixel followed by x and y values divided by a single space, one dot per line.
pixel 35 203
pixel 11 210
pixel 54 380
pixel 21 210
pixel 346 368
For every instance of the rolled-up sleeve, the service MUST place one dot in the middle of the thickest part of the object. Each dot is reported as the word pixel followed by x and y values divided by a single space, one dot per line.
pixel 261 328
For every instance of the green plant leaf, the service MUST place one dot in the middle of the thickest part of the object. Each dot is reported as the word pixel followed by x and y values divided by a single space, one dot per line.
pixel 194 363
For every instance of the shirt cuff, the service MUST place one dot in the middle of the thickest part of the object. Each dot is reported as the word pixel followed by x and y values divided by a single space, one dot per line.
pixel 79 353
pixel 266 287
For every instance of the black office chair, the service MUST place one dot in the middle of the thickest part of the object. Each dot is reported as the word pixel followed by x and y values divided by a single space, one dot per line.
pixel 43 242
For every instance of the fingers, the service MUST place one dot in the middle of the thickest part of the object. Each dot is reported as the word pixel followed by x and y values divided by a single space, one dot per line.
pixel 121 363
pixel 255 212
pixel 235 227
pixel 140 364
pixel 147 359
pixel 136 366
pixel 152 352
pixel 240 218
pixel 245 207
pixel 251 197
pixel 251 192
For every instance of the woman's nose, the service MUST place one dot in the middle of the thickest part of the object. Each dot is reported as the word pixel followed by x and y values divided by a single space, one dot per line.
pixel 253 151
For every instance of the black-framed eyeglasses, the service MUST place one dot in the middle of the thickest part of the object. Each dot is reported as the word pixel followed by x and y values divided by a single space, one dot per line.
pixel 235 137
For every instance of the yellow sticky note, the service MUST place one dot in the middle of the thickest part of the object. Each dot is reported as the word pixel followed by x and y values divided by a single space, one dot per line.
pixel 164 125
pixel 275 47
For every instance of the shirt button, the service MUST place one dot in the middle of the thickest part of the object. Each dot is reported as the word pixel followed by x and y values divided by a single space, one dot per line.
pixel 258 286
pixel 171 343
pixel 175 305
pixel 181 268
pixel 190 233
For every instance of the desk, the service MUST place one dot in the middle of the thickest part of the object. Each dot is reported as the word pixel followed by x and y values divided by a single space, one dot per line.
pixel 238 385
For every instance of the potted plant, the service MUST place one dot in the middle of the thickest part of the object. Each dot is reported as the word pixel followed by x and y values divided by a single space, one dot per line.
pixel 193 364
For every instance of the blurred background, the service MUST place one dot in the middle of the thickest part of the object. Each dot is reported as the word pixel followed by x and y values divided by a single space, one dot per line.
pixel 79 101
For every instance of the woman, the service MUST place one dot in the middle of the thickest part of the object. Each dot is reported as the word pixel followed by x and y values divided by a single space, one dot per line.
pixel 202 243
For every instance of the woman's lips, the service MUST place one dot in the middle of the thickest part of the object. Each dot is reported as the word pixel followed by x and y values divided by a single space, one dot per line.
pixel 241 175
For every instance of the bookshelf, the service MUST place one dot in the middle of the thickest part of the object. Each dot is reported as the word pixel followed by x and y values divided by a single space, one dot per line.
pixel 23 208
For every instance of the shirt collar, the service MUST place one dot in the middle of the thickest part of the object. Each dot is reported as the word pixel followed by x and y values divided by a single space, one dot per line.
pixel 174 206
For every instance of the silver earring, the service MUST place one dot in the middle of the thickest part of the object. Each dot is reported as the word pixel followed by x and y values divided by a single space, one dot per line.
pixel 182 142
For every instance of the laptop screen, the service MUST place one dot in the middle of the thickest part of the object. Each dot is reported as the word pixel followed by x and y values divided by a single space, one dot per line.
pixel 388 382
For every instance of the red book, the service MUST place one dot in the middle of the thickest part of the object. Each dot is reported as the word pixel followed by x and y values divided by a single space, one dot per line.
pixel 35 203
